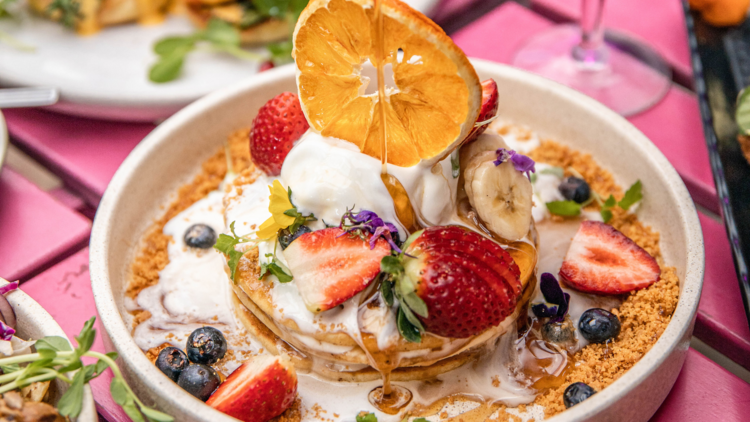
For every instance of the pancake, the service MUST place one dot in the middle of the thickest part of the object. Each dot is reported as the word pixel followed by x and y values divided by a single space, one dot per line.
pixel 334 353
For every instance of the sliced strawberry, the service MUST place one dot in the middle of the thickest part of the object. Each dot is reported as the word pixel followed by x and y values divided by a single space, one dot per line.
pixel 279 123
pixel 468 282
pixel 490 101
pixel 258 391
pixel 330 266
pixel 603 260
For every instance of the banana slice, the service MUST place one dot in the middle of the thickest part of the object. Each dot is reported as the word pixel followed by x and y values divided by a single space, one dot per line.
pixel 485 143
pixel 502 197
pixel 472 167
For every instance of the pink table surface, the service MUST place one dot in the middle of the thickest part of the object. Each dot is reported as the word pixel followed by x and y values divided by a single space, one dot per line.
pixel 64 290
pixel 661 22
pixel 85 153
pixel 35 230
pixel 674 124
pixel 721 321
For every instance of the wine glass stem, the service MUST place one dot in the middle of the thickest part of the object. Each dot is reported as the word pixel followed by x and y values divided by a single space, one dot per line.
pixel 591 53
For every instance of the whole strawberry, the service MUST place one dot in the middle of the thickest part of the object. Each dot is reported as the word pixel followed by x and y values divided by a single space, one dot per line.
pixel 468 282
pixel 279 123
pixel 490 102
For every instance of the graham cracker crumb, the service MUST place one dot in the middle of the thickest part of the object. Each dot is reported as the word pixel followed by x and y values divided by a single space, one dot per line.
pixel 152 256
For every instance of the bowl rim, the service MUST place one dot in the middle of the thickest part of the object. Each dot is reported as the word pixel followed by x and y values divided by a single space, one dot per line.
pixel 669 340
pixel 45 322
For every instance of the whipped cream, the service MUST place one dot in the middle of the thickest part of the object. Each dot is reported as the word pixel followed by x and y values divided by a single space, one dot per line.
pixel 193 289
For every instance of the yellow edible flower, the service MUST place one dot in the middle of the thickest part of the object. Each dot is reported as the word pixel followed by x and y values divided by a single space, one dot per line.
pixel 279 203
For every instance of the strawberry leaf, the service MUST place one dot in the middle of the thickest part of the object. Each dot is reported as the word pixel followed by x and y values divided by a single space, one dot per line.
pixel 391 265
pixel 564 208
pixel 386 291
pixel 416 304
pixel 408 330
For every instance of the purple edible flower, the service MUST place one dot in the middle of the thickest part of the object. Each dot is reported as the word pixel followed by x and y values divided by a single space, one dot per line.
pixel 8 287
pixel 556 301
pixel 6 332
pixel 368 221
pixel 520 162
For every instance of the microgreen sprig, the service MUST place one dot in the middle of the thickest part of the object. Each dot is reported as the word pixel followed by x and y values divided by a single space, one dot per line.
pixel 395 283
pixel 55 359
pixel 218 34
pixel 371 417
pixel 227 245
pixel 69 11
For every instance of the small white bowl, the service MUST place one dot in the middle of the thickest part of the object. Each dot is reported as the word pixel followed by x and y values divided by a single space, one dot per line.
pixel 172 154
pixel 33 322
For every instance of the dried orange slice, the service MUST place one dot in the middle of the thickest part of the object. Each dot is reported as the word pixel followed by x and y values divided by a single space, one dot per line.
pixel 437 94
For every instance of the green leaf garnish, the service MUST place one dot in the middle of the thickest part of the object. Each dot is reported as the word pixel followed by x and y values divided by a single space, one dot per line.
pixel 69 11
pixel 632 195
pixel 226 244
pixel 366 417
pixel 564 208
pixel 742 112
pixel 555 171
pixel 606 207
pixel 455 164
pixel 386 291
pixel 218 34
pixel 408 330
pixel 275 269
pixel 55 358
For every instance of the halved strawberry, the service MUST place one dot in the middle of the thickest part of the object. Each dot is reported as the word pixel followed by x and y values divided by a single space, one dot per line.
pixel 330 266
pixel 487 111
pixel 279 123
pixel 258 391
pixel 603 260
pixel 468 282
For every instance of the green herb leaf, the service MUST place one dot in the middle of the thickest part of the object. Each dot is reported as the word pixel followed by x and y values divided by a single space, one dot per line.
pixel 455 164
pixel 66 11
pixel 271 8
pixel 132 410
pixel 391 265
pixel 55 343
pixel 281 52
pixel 408 330
pixel 5 8
pixel 533 178
pixel 155 415
pixel 220 32
pixel 119 391
pixel 632 195
pixel 564 208
pixel 13 367
pixel 606 207
pixel 610 202
pixel 226 244
pixel 366 417
pixel 555 171
pixel 742 112
pixel 606 215
pixel 274 268
pixel 420 420
pixel 71 402
pixel 169 45
pixel 168 67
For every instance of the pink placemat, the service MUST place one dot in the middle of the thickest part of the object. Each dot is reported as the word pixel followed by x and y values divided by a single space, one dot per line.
pixel 35 229
pixel 705 392
pixel 674 124
pixel 85 153
pixel 721 321
pixel 661 23
pixel 65 292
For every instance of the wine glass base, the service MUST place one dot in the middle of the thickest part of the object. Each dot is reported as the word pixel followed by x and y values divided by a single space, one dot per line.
pixel 632 78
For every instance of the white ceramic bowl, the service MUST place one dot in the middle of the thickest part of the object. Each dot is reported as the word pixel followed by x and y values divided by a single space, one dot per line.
pixel 33 322
pixel 172 154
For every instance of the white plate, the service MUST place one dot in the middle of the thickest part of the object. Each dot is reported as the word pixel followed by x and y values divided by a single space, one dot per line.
pixel 106 75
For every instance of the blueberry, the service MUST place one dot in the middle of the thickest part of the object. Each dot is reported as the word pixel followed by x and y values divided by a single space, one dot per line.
pixel 576 393
pixel 286 237
pixel 200 236
pixel 562 333
pixel 597 325
pixel 575 189
pixel 199 380
pixel 206 345
pixel 172 361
